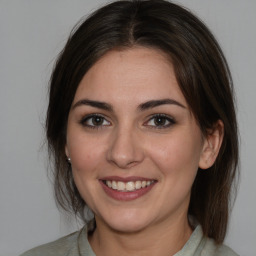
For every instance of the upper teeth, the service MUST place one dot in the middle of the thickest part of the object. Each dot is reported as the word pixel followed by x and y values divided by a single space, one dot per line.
pixel 128 186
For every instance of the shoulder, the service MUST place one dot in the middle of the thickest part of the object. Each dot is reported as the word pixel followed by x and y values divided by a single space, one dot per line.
pixel 200 245
pixel 212 249
pixel 65 246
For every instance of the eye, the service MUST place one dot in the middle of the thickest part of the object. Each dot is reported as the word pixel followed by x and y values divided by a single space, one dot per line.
pixel 160 121
pixel 94 121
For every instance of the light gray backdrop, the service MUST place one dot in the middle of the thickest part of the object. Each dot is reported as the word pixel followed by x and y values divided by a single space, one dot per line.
pixel 31 35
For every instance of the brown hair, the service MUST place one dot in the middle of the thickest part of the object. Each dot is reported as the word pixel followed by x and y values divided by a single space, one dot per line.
pixel 201 71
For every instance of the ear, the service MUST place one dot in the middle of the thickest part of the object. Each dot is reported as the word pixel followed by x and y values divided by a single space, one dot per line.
pixel 66 151
pixel 211 145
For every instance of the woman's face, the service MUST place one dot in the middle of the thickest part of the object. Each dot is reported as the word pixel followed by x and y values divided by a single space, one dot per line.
pixel 134 145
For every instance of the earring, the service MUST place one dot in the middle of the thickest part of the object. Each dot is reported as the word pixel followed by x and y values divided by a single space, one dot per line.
pixel 69 160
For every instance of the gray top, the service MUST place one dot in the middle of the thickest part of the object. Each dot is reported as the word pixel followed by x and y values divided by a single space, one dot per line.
pixel 76 244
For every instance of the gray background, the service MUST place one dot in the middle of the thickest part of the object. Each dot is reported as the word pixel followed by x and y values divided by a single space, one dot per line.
pixel 31 35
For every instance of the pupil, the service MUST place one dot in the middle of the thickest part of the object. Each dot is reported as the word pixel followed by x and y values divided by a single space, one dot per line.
pixel 159 121
pixel 97 120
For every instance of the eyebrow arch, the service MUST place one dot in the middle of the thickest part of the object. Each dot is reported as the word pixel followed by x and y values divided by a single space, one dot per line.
pixel 155 103
pixel 95 104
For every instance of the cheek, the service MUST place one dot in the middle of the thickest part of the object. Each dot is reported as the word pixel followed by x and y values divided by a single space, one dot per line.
pixel 85 154
pixel 86 158
pixel 177 155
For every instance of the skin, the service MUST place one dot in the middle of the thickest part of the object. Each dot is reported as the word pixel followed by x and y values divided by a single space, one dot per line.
pixel 128 141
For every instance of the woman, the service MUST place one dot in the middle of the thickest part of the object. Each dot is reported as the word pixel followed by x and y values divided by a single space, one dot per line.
pixel 142 127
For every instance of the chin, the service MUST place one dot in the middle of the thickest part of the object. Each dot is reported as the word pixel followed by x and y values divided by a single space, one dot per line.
pixel 126 224
pixel 127 227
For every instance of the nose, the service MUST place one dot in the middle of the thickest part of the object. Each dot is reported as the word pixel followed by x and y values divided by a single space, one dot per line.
pixel 125 149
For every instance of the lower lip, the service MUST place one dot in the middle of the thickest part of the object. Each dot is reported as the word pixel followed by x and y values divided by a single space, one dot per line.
pixel 126 196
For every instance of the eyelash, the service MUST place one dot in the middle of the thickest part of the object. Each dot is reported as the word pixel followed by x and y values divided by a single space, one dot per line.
pixel 164 118
pixel 85 120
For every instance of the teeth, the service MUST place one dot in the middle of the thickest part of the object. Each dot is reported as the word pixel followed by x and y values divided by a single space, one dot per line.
pixel 109 183
pixel 138 184
pixel 128 186
pixel 114 185
pixel 120 185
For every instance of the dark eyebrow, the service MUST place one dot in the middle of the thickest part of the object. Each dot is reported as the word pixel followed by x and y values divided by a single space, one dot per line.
pixel 156 103
pixel 92 103
pixel 143 106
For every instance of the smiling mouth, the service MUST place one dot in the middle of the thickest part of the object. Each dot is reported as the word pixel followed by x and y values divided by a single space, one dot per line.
pixel 129 186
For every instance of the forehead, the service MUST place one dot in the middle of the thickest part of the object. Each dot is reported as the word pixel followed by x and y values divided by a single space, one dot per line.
pixel 137 73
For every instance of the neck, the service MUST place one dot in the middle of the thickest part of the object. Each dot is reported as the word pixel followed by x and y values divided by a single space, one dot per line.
pixel 163 239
